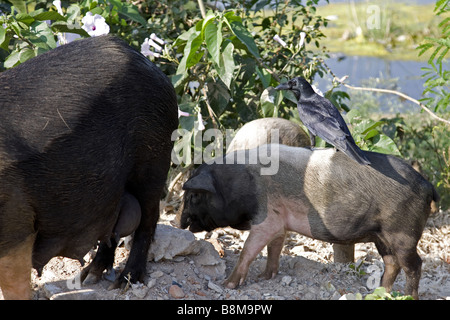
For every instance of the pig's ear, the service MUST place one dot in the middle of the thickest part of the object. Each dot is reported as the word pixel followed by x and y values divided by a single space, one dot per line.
pixel 203 182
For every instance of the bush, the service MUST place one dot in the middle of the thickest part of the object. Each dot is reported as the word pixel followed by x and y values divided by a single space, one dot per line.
pixel 224 65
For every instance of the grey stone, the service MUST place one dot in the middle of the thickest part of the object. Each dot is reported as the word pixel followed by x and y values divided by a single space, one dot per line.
pixel 84 294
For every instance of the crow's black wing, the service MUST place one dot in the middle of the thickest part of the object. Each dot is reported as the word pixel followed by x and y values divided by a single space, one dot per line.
pixel 323 124
pixel 324 120
pixel 325 107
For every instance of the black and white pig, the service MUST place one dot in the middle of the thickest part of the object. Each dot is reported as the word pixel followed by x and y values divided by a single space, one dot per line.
pixel 81 126
pixel 318 194
pixel 259 132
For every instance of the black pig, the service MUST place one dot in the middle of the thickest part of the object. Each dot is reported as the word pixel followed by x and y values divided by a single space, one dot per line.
pixel 317 194
pixel 129 217
pixel 81 125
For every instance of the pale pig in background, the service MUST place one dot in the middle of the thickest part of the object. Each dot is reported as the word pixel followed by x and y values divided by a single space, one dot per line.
pixel 317 194
pixel 259 132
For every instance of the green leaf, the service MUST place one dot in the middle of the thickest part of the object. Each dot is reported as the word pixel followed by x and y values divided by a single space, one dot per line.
pixel 41 35
pixel 20 5
pixel 245 37
pixel 384 144
pixel 178 79
pixel 353 115
pixel 231 16
pixel 366 125
pixel 372 133
pixel 184 36
pixel 24 18
pixel 62 26
pixel 12 60
pixel 442 55
pixel 2 35
pixel 226 66
pixel 131 11
pixel 218 96
pixel 191 57
pixel 207 20
pixel 213 38
pixel 73 11
pixel 26 54
pixel 264 76
pixel 424 47
pixel 268 102
pixel 42 15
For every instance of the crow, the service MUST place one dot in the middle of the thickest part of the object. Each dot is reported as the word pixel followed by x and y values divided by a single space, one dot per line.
pixel 322 119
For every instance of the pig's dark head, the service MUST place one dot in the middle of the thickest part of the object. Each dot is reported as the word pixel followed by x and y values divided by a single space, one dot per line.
pixel 219 198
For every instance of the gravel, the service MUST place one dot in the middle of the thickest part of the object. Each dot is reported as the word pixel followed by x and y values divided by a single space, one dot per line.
pixel 306 271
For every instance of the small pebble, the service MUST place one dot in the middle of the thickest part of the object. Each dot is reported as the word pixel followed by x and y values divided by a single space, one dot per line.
pixel 176 292
pixel 215 287
pixel 286 280
pixel 157 274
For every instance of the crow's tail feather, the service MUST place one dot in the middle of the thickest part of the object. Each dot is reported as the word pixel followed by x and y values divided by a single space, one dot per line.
pixel 354 152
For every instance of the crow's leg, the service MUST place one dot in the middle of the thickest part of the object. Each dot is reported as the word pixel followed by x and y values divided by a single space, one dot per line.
pixel 312 138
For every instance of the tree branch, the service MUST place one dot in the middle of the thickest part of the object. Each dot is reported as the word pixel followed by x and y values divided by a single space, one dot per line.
pixel 404 96
pixel 202 8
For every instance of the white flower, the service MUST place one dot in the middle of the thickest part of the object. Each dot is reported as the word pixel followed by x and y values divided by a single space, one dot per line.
pixel 154 37
pixel 193 86
pixel 95 25
pixel 201 126
pixel 145 49
pixel 279 40
pixel 65 38
pixel 302 38
pixel 148 42
pixel 154 45
pixel 182 113
pixel 57 4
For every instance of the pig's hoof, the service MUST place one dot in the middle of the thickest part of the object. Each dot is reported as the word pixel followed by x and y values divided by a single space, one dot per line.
pixel 110 275
pixel 230 285
pixel 116 285
pixel 91 279
pixel 267 275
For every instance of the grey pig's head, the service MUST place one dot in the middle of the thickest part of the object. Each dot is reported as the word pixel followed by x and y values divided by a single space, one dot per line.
pixel 217 198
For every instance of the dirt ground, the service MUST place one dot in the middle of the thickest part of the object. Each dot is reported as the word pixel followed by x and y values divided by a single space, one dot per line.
pixel 306 271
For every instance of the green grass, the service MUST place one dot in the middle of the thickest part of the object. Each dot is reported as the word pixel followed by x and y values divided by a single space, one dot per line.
pixel 401 28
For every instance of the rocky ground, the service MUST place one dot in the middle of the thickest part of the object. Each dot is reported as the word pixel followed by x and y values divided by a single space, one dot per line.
pixel 184 266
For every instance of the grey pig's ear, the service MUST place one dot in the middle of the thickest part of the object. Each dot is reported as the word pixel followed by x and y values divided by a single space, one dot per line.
pixel 203 182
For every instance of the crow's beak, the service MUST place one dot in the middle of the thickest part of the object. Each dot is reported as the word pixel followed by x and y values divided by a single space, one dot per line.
pixel 284 86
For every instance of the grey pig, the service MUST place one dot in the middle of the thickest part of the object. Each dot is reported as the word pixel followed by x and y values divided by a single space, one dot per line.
pixel 319 194
pixel 259 132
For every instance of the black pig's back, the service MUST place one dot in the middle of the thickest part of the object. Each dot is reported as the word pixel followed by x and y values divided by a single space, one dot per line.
pixel 76 122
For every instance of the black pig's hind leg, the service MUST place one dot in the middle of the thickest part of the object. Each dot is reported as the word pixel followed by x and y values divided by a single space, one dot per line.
pixel 103 259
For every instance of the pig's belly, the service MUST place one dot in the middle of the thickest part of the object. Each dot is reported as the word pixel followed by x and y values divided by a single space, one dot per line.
pixel 47 248
pixel 71 241
pixel 292 213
